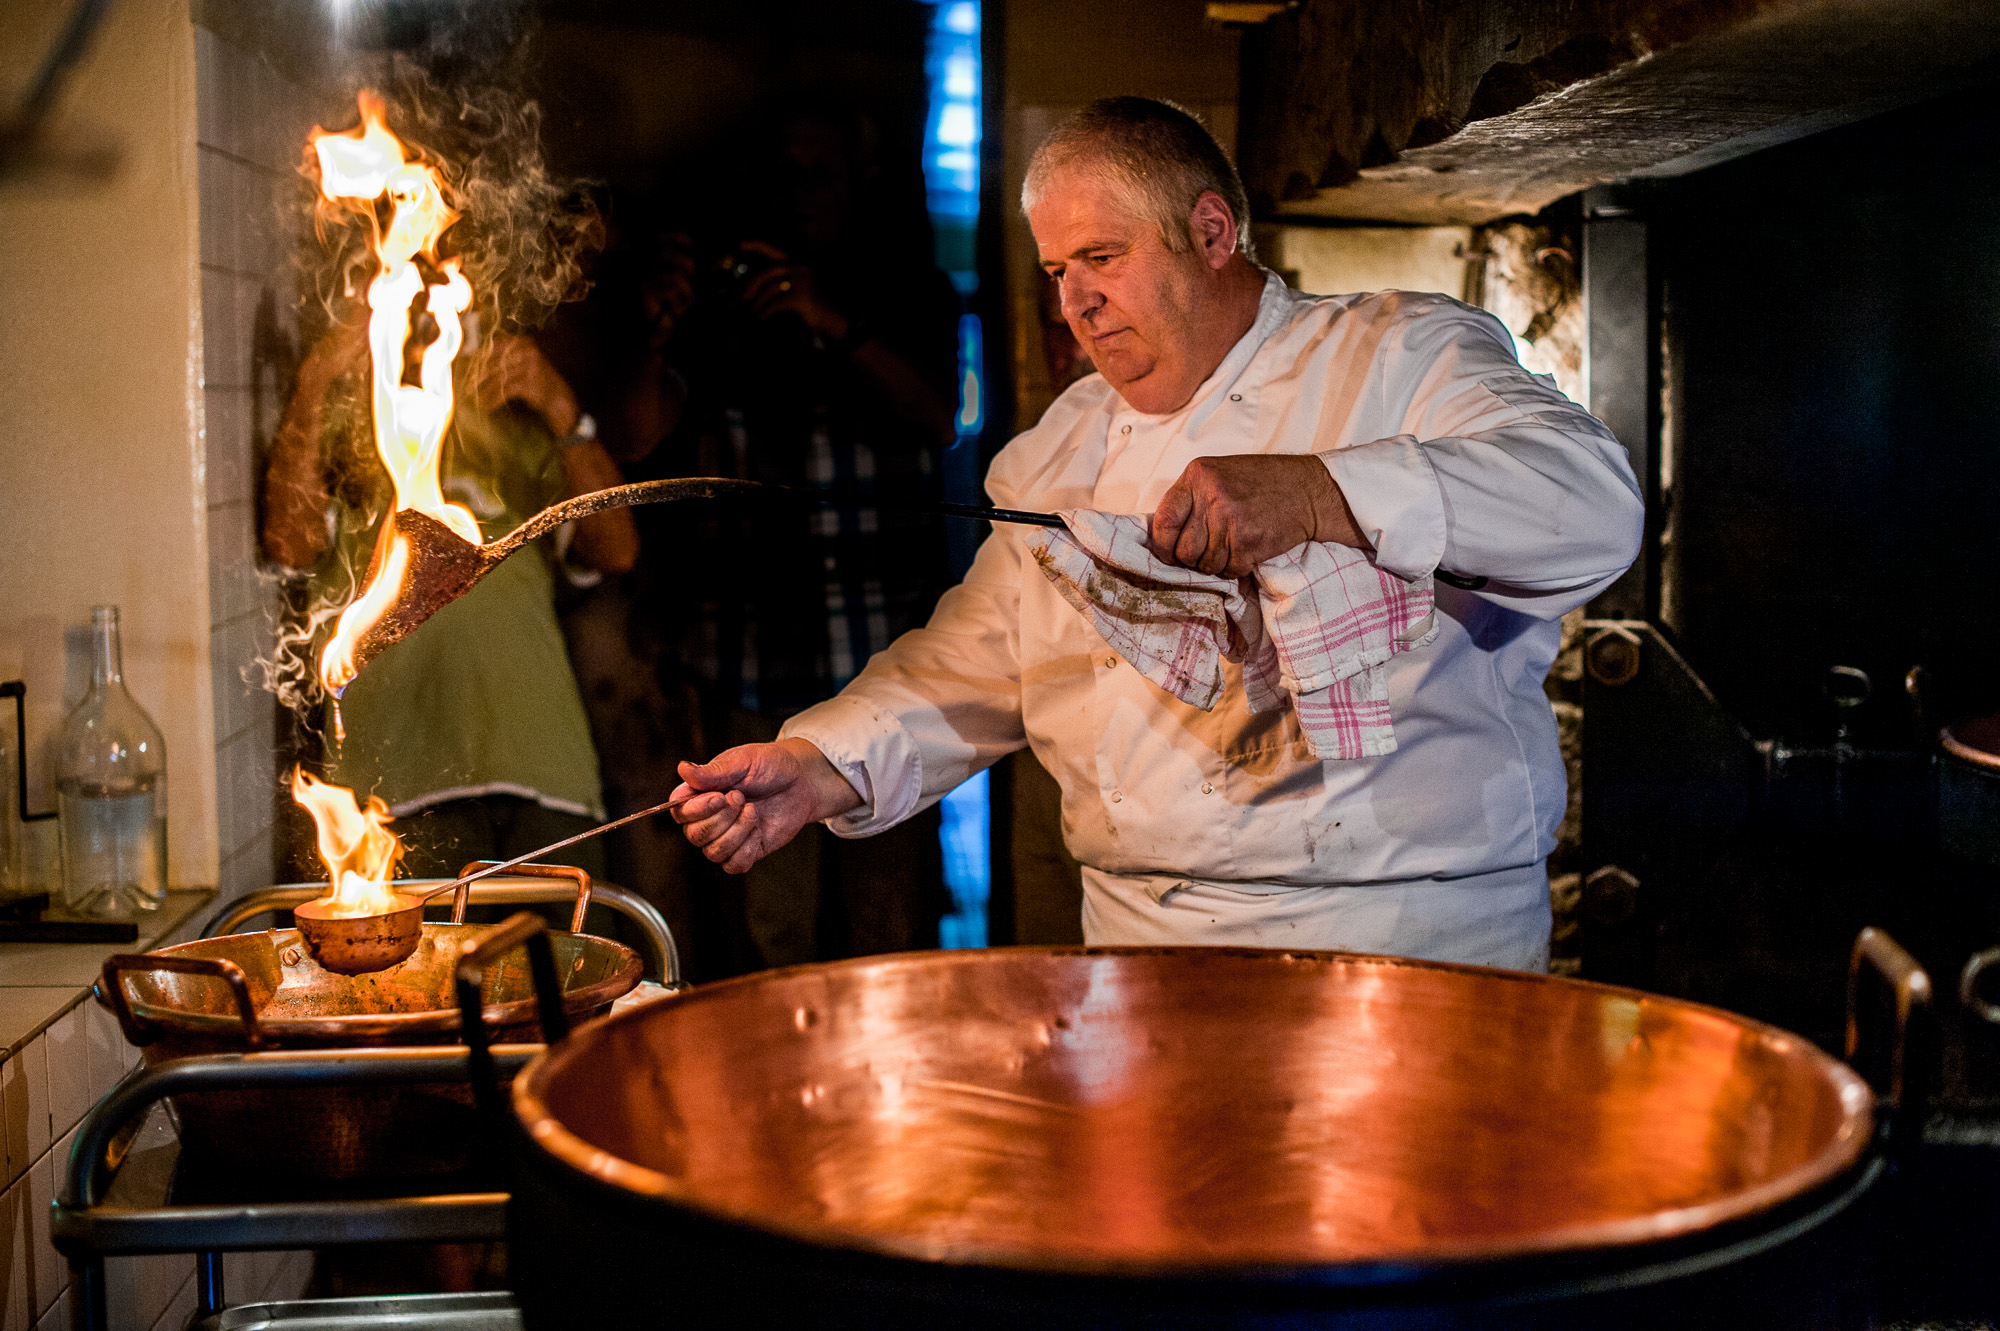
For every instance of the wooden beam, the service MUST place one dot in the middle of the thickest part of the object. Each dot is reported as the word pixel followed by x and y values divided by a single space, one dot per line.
pixel 1477 109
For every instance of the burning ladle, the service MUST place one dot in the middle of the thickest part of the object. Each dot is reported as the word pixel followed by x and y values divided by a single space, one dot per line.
pixel 444 565
pixel 364 944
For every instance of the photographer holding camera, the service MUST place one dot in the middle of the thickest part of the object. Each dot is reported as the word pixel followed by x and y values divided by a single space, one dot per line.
pixel 815 344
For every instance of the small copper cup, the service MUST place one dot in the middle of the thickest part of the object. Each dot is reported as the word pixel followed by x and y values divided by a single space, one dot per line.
pixel 361 944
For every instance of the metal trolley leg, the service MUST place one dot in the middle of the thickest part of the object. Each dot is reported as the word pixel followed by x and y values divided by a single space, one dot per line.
pixel 87 1308
pixel 208 1275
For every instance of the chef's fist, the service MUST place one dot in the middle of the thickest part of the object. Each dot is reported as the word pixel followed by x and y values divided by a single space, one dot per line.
pixel 1226 515
pixel 749 801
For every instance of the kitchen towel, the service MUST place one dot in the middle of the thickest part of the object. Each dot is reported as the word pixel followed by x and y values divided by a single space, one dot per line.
pixel 1313 628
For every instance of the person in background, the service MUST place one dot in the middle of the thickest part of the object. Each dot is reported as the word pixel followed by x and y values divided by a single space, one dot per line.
pixel 470 729
pixel 611 346
pixel 804 368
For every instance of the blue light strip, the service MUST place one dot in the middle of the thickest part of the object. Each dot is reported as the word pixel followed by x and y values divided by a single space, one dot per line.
pixel 951 178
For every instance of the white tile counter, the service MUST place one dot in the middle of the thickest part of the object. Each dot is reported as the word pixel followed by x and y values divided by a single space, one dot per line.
pixel 62 1053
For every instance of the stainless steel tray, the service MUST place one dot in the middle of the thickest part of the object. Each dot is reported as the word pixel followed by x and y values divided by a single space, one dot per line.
pixel 418 1312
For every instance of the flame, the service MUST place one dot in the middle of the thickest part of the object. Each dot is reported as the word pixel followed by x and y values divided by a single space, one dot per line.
pixel 356 844
pixel 358 168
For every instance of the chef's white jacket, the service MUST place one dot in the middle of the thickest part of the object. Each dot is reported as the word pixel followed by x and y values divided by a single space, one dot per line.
pixel 1450 454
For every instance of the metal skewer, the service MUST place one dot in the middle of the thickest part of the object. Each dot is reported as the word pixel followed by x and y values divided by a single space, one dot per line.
pixel 364 944
pixel 566 842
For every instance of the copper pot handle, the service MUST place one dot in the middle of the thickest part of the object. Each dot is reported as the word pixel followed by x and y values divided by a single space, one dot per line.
pixel 1910 986
pixel 463 896
pixel 111 988
pixel 1969 989
pixel 525 928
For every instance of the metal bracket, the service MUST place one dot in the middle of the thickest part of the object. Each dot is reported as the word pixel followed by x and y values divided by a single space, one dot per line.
pixel 18 691
pixel 1612 655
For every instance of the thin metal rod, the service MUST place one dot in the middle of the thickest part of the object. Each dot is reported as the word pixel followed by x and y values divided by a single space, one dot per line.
pixel 568 841
pixel 720 487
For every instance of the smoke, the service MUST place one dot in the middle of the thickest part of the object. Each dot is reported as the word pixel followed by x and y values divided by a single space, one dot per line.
pixel 290 672
pixel 521 233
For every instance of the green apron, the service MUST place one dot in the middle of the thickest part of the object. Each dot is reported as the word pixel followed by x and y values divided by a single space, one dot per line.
pixel 479 699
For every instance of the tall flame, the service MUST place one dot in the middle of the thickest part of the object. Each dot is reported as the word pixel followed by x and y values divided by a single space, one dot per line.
pixel 359 167
pixel 359 850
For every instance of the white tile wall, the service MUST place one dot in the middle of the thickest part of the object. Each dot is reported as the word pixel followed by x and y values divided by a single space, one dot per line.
pixel 57 1317
pixel 14 1116
pixel 68 1052
pixel 251 125
pixel 110 1055
pixel 86 1054
pixel 48 1273
pixel 181 1311
pixel 255 1277
pixel 35 1097
pixel 139 1290
pixel 14 1244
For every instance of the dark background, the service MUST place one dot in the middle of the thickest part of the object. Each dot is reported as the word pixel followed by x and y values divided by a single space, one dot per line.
pixel 1831 358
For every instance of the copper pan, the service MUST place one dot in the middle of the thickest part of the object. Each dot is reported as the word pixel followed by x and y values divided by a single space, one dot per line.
pixel 1187 1112
pixel 266 991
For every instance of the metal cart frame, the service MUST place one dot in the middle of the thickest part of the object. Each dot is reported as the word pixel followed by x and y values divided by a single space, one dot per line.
pixel 89 1224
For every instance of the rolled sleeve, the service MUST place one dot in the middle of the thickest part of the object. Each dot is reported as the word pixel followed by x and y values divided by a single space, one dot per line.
pixel 1493 473
pixel 1393 489
pixel 876 754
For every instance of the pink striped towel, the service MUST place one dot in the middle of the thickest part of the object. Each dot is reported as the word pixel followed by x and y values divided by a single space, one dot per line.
pixel 1314 627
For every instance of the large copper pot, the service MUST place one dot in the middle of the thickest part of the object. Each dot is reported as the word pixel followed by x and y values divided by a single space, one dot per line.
pixel 1170 1137
pixel 265 991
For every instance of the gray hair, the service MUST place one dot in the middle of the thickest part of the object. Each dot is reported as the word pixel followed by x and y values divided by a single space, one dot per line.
pixel 1157 156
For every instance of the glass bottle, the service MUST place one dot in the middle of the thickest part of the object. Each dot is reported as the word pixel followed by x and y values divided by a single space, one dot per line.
pixel 111 792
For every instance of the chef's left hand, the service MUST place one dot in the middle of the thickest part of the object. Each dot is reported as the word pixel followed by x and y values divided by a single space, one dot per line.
pixel 1226 515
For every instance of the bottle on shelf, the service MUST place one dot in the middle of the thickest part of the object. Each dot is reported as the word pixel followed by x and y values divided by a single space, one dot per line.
pixel 111 792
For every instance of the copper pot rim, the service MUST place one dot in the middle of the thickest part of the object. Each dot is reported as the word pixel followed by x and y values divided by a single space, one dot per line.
pixel 1975 740
pixel 1843 1152
pixel 346 1029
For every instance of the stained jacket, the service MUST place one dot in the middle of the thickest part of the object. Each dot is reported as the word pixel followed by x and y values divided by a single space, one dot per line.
pixel 1449 453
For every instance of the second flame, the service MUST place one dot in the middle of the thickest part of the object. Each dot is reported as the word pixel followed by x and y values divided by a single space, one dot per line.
pixel 359 850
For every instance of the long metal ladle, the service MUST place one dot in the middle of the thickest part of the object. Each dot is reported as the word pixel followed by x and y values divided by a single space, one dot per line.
pixel 364 944
pixel 444 565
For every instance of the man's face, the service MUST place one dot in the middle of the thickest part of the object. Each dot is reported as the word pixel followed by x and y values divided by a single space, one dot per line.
pixel 1134 305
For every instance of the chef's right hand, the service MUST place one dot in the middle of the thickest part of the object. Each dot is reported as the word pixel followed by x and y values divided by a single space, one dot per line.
pixel 749 801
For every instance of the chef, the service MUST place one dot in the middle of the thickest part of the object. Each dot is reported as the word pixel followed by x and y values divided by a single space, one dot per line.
pixel 1244 420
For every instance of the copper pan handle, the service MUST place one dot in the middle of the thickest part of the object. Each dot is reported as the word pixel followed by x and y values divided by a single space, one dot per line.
pixel 525 928
pixel 463 896
pixel 1910 986
pixel 111 988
